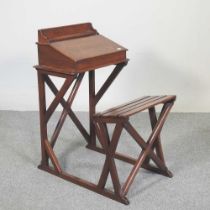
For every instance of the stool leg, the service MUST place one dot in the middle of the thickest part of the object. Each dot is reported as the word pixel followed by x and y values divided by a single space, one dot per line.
pixel 157 146
pixel 147 150
pixel 109 165
pixel 42 112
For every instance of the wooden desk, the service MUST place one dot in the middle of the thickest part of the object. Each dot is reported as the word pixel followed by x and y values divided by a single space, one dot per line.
pixel 78 52
pixel 70 52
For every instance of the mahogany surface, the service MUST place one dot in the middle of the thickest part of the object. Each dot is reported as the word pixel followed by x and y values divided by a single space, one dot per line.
pixel 70 52
pixel 87 47
pixel 77 48
pixel 151 148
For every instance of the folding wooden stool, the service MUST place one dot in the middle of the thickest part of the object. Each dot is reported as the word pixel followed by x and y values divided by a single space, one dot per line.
pixel 151 149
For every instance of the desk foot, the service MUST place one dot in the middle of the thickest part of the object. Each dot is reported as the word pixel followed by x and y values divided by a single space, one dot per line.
pixel 92 147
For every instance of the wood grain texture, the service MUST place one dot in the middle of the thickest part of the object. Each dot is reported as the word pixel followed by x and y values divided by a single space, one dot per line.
pixel 69 52
pixel 148 146
pixel 136 106
pixel 87 47
pixel 65 32
pixel 77 48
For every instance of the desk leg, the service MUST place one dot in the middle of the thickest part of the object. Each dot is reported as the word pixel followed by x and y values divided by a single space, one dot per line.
pixel 94 98
pixel 42 112
pixel 92 107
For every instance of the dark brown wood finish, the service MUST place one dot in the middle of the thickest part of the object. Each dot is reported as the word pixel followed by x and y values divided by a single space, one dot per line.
pixel 69 52
pixel 94 97
pixel 77 48
pixel 92 106
pixel 120 116
pixel 68 109
pixel 45 114
pixel 42 111
pixel 65 32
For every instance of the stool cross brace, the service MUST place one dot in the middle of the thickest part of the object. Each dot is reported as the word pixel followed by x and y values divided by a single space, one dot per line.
pixel 147 153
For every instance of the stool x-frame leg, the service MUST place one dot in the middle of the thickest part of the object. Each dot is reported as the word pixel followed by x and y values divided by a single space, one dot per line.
pixel 147 153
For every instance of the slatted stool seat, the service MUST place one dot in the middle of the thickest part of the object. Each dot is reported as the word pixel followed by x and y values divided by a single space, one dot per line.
pixel 151 149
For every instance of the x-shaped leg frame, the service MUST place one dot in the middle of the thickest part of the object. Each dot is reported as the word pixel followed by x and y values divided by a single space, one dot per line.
pixel 45 114
pixel 147 152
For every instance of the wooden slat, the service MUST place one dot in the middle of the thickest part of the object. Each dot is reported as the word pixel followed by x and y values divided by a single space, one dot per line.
pixel 133 106
pixel 121 106
pixel 148 105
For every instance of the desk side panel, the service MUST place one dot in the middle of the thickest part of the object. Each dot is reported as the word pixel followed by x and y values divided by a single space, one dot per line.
pixel 52 58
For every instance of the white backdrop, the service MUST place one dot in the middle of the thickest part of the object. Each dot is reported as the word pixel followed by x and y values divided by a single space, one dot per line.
pixel 168 42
